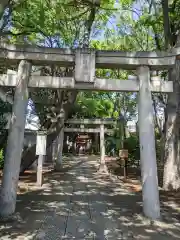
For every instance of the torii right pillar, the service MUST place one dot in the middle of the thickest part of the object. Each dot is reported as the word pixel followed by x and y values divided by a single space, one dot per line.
pixel 151 204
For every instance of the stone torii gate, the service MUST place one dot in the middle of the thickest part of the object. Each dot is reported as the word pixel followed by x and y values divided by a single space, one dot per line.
pixel 98 127
pixel 96 122
pixel 85 62
pixel 82 129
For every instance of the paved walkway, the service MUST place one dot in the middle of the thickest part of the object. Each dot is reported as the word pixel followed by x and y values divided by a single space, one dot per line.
pixel 81 204
pixel 84 213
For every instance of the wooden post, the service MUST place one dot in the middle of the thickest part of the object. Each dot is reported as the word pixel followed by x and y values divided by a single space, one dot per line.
pixel 41 151
pixel 150 191
pixel 59 149
pixel 40 170
pixel 15 142
pixel 121 133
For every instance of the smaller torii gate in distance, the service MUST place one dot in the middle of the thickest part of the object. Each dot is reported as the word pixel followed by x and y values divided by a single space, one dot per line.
pixel 85 62
pixel 96 122
pixel 98 127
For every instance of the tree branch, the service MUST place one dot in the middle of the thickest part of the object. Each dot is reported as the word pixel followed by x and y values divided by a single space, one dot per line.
pixel 167 32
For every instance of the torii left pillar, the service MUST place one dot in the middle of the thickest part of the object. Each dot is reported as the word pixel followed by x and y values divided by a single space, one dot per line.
pixel 15 142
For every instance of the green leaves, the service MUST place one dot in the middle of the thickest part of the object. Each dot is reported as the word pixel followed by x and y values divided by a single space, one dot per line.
pixel 55 23
pixel 89 105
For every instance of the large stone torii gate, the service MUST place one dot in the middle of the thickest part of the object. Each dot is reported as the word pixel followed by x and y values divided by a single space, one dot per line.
pixel 85 62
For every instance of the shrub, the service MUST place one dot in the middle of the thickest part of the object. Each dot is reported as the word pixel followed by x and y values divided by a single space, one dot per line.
pixel 132 144
pixel 1 158
pixel 110 145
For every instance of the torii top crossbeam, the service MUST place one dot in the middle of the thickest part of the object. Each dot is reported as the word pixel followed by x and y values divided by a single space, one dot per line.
pixel 103 59
pixel 95 121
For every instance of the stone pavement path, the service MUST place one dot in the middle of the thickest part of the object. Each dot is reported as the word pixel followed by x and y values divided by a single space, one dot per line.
pixel 85 213
pixel 82 204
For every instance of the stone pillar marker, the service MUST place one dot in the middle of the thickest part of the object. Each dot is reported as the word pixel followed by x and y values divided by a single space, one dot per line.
pixel 41 152
pixel 15 142
pixel 151 205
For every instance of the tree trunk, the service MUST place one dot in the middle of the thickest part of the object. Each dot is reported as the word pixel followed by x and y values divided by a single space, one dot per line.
pixel 29 155
pixel 96 140
pixel 59 145
pixel 122 134
pixel 171 178
pixel 15 142
pixel 3 5
pixel 5 98
pixel 59 150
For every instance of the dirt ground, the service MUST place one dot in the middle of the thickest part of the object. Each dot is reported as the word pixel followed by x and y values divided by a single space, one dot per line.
pixel 32 209
pixel 133 180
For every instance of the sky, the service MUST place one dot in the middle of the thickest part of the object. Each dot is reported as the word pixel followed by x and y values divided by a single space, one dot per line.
pixel 32 120
pixel 111 24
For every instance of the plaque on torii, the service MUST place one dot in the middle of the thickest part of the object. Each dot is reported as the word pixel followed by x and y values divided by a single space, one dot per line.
pixel 85 65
